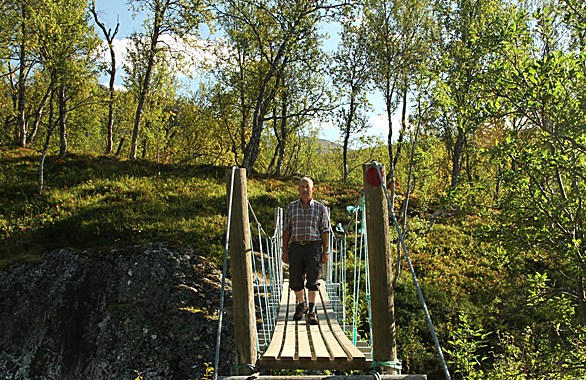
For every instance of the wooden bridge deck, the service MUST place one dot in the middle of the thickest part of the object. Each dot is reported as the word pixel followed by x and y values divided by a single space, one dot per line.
pixel 299 345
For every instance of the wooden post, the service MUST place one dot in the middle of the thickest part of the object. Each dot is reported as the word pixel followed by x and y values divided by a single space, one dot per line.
pixel 384 345
pixel 241 270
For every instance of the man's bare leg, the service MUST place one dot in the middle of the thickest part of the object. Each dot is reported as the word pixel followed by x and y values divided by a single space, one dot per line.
pixel 300 296
pixel 301 307
pixel 312 296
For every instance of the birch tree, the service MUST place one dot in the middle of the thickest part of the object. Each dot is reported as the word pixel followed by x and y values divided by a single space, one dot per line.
pixel 174 18
pixel 351 77
pixel 267 37
pixel 109 35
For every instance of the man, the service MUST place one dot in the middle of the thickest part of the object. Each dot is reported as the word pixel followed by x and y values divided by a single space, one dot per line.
pixel 305 247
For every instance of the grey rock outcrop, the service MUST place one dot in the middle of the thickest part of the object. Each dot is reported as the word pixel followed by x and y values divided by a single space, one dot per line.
pixel 147 310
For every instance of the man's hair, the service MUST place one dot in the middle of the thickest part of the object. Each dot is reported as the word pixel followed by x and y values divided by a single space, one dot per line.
pixel 306 178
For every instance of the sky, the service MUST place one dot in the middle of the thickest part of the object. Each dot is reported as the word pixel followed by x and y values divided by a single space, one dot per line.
pixel 110 11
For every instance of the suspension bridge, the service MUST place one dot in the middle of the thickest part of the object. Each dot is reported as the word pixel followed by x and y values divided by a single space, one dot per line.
pixel 267 337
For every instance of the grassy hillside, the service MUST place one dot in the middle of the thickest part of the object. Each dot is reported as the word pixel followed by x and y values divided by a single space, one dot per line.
pixel 96 202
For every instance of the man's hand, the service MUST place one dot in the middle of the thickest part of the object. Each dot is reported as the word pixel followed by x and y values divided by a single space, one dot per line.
pixel 285 256
pixel 324 257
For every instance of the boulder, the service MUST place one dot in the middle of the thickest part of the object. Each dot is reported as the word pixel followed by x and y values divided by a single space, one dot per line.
pixel 148 311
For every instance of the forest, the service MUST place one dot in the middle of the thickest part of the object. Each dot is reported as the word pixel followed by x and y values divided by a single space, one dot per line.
pixel 485 156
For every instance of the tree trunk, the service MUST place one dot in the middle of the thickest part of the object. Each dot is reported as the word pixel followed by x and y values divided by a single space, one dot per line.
pixel 22 125
pixel 120 144
pixel 112 71
pixel 284 135
pixel 391 178
pixel 457 157
pixel 403 127
pixel 144 89
pixel 144 148
pixel 137 121
pixel 46 146
pixel 345 157
pixel 110 132
pixel 276 150
pixel 62 121
pixel 263 100
pixel 582 300
pixel 273 159
pixel 38 115
pixel 253 145
pixel 280 158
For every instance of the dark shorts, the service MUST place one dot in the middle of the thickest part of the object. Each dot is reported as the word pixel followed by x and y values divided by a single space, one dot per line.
pixel 304 266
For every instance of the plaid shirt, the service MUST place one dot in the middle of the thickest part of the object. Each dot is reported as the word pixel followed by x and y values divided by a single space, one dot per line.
pixel 306 224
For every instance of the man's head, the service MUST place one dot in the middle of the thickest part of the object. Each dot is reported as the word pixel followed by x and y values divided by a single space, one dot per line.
pixel 305 189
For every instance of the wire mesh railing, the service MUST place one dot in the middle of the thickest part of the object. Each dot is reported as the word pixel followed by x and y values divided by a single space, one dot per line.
pixel 268 275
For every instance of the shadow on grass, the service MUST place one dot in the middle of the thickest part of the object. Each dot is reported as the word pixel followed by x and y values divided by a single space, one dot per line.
pixel 105 214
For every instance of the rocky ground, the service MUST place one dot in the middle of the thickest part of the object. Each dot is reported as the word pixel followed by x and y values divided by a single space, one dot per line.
pixel 147 311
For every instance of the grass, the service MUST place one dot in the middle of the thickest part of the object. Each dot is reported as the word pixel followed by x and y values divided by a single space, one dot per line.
pixel 93 202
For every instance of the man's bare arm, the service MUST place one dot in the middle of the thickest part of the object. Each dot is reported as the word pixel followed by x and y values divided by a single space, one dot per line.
pixel 285 252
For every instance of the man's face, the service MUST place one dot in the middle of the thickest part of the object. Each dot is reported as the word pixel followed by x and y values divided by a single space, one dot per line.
pixel 305 189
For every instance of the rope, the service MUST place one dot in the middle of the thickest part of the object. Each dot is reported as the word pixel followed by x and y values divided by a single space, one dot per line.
pixel 419 293
pixel 253 369
pixel 395 364
pixel 249 366
pixel 224 269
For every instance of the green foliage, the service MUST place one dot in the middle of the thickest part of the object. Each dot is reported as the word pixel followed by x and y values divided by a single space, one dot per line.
pixel 465 349
pixel 550 345
pixel 93 202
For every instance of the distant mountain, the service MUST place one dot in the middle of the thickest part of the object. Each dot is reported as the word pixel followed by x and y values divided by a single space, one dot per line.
pixel 328 145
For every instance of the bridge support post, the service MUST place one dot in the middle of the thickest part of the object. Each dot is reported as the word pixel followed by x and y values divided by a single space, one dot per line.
pixel 384 346
pixel 241 271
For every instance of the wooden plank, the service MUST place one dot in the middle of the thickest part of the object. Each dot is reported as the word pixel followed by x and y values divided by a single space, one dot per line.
pixel 320 349
pixel 303 341
pixel 326 351
pixel 289 350
pixel 353 352
pixel 364 347
pixel 274 348
pixel 336 351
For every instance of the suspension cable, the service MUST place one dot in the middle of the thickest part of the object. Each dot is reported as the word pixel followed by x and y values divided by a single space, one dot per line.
pixel 224 269
pixel 419 293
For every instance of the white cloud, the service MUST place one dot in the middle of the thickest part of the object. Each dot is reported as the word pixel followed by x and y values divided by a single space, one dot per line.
pixel 120 48
pixel 379 128
pixel 197 54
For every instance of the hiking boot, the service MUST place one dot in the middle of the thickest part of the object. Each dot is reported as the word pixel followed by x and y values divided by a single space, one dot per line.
pixel 299 311
pixel 312 318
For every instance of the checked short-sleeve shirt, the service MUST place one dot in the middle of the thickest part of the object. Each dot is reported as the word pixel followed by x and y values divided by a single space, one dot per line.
pixel 306 224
